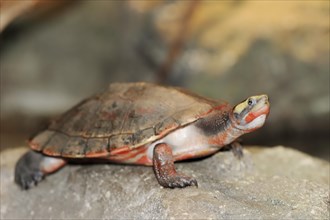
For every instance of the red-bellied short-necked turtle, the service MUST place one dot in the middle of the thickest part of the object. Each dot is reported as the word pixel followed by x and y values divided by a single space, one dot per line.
pixel 141 123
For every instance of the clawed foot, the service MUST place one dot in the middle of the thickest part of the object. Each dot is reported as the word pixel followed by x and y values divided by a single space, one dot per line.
pixel 27 170
pixel 165 171
pixel 177 181
pixel 29 178
pixel 32 167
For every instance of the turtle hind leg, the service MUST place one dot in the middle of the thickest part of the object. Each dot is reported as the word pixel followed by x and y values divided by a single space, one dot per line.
pixel 32 167
pixel 163 163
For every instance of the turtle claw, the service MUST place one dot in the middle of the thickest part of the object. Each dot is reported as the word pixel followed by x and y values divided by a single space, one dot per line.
pixel 179 182
pixel 29 179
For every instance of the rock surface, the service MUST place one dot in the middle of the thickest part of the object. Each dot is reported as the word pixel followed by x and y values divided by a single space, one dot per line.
pixel 268 183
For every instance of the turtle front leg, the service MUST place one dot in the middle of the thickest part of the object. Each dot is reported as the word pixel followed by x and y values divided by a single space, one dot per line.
pixel 33 166
pixel 237 149
pixel 163 163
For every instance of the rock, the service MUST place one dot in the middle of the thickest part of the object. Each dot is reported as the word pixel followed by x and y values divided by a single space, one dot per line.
pixel 272 183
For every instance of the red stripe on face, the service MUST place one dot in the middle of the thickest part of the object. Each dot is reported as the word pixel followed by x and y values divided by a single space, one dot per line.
pixel 253 115
pixel 250 117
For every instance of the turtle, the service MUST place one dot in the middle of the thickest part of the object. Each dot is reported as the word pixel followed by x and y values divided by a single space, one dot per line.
pixel 145 124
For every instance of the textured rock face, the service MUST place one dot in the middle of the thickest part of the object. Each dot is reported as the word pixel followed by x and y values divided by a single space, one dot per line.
pixel 274 183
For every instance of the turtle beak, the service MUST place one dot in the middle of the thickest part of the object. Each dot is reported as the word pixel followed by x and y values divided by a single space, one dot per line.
pixel 265 99
pixel 262 101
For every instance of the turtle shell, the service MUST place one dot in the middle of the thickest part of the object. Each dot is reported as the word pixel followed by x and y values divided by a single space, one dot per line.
pixel 125 116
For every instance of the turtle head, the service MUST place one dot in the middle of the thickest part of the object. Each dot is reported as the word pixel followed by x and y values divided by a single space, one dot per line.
pixel 251 114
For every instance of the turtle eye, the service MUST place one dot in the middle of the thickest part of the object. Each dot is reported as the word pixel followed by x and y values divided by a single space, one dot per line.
pixel 250 101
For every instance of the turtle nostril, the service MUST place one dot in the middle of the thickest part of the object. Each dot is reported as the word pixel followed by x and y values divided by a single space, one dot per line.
pixel 265 97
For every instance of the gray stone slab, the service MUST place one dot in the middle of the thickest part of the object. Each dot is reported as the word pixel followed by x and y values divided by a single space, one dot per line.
pixel 268 183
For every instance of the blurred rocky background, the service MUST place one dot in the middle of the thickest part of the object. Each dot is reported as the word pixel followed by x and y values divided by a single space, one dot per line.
pixel 54 53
